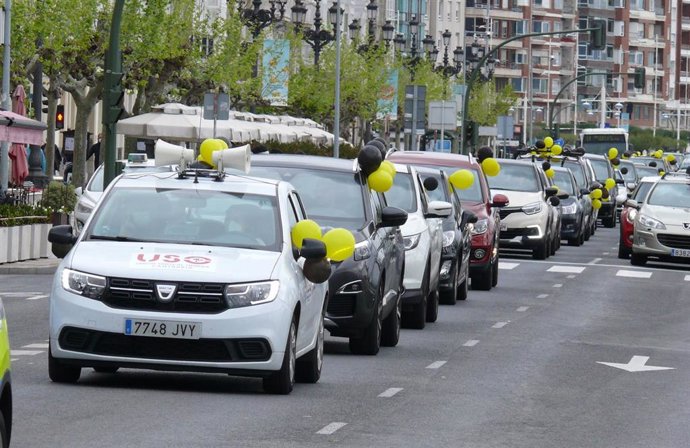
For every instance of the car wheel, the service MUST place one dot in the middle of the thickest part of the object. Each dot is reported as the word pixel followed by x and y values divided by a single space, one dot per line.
pixel 581 238
pixel 416 317
pixel 390 334
pixel 637 259
pixel 610 222
pixel 450 297
pixel 282 381
pixel 370 342
pixel 588 232
pixel 308 367
pixel 539 252
pixel 62 373
pixel 623 252
pixel 105 369
pixel 554 246
pixel 4 432
pixel 494 274
pixel 432 306
pixel 482 282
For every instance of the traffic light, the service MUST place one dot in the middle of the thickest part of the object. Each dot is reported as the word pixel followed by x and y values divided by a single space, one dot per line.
pixel 44 101
pixel 60 117
pixel 639 79
pixel 598 35
pixel 113 100
pixel 468 131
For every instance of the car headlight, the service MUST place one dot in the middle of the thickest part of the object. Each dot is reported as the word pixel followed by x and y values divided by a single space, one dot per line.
pixel 362 251
pixel 531 209
pixel 569 209
pixel 84 207
pixel 87 285
pixel 632 213
pixel 247 294
pixel 411 241
pixel 647 221
pixel 448 238
pixel 481 226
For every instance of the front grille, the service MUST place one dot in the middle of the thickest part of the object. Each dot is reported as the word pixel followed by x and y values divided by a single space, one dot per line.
pixel 340 305
pixel 674 241
pixel 116 344
pixel 505 211
pixel 190 297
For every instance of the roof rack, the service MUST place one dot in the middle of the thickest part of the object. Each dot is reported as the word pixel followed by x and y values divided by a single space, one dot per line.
pixel 184 173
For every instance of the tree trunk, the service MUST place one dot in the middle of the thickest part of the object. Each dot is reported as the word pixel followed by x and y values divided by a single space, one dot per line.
pixel 85 98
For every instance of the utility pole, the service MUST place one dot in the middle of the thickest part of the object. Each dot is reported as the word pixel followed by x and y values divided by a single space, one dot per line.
pixel 654 68
pixel 602 104
pixel 336 117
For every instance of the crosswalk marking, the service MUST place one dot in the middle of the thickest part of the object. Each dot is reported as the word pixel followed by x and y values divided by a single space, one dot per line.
pixel 505 265
pixel 566 269
pixel 499 325
pixel 687 278
pixel 542 296
pixel 436 365
pixel 633 274
pixel 471 343
pixel 37 297
pixel 25 352
pixel 522 309
pixel 331 428
pixel 41 345
pixel 388 393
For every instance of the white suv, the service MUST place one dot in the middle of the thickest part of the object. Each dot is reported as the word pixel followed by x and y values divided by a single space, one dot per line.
pixel 423 238
pixel 189 273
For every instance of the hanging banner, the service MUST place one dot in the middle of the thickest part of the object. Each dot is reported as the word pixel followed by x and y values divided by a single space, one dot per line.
pixel 388 98
pixel 276 71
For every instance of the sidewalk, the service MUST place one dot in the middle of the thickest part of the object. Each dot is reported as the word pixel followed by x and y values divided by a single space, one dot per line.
pixel 41 266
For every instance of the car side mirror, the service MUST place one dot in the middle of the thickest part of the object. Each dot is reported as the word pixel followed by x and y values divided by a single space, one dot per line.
pixel 630 186
pixel 79 191
pixel 632 204
pixel 439 209
pixel 430 183
pixel 620 181
pixel 584 191
pixel 500 200
pixel 562 195
pixel 551 191
pixel 553 200
pixel 393 217
pixel 62 240
pixel 595 185
pixel 313 249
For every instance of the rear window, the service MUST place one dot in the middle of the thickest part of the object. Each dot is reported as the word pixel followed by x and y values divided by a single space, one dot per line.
pixel 642 190
pixel 578 172
pixel 402 194
pixel 563 181
pixel 601 169
pixel 472 194
pixel 515 177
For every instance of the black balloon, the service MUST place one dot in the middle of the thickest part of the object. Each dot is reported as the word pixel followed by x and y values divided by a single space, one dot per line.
pixel 381 147
pixel 673 162
pixel 624 170
pixel 430 183
pixel 369 159
pixel 317 271
pixel 604 193
pixel 484 153
pixel 540 144
pixel 627 154
pixel 616 161
pixel 545 166
pixel 652 164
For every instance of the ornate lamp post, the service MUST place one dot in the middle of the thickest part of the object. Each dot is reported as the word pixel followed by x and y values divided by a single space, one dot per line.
pixel 256 19
pixel 446 68
pixel 316 37
pixel 415 52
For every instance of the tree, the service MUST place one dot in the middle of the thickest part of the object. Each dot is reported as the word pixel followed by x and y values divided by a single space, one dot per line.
pixel 486 104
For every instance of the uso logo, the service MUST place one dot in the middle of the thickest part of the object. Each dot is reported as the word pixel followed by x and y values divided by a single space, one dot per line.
pixel 172 258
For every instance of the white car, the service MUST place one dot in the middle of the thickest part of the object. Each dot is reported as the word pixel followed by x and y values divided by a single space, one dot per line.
pixel 423 239
pixel 175 272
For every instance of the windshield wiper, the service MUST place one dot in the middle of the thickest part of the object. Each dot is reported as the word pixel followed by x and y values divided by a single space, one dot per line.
pixel 115 238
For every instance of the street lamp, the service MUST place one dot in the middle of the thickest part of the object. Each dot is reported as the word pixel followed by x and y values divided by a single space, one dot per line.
pixel 316 37
pixel 256 19
pixel 387 29
pixel 477 53
pixel 415 52
pixel 446 68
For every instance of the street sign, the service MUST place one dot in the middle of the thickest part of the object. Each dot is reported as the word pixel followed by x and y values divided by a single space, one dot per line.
pixel 636 364
pixel 414 112
pixel 442 145
pixel 216 106
pixel 442 115
pixel 505 127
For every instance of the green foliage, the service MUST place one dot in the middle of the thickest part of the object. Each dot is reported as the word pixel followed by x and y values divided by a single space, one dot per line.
pixel 308 148
pixel 642 139
pixel 486 104
pixel 19 215
pixel 58 197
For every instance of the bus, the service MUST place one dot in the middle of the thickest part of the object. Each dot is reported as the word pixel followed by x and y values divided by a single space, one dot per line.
pixel 600 140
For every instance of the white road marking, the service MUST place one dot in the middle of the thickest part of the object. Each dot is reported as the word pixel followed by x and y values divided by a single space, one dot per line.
pixel 40 296
pixel 41 345
pixel 606 265
pixel 14 359
pixel 390 392
pixel 331 428
pixel 18 294
pixel 25 352
pixel 636 364
pixel 633 274
pixel 471 343
pixel 606 253
pixel 507 266
pixel 566 269
pixel 542 296
pixel 522 309
pixel 499 325
pixel 595 261
pixel 436 365
pixel 687 278
pixel 558 285
pixel 572 276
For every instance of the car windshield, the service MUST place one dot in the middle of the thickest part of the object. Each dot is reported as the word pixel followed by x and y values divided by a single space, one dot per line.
pixel 578 171
pixel 564 182
pixel 640 193
pixel 96 183
pixel 629 175
pixel 515 177
pixel 331 198
pixel 601 169
pixel 670 195
pixel 643 171
pixel 472 194
pixel 440 193
pixel 183 216
pixel 402 193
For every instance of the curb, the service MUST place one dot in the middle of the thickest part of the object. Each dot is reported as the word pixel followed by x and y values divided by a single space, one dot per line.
pixel 27 270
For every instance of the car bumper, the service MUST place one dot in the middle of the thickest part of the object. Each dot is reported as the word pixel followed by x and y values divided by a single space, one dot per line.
pixel 86 332
pixel 570 226
pixel 348 313
pixel 660 244
pixel 522 231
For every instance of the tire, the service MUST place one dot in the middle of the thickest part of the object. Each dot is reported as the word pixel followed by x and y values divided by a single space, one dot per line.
pixel 390 334
pixel 539 253
pixel 432 306
pixel 105 369
pixel 573 241
pixel 308 367
pixel 554 246
pixel 588 232
pixel 623 252
pixel 581 238
pixel 416 318
pixel 637 259
pixel 4 433
pixel 282 381
pixel 483 281
pixel 62 373
pixel 451 297
pixel 610 222
pixel 370 342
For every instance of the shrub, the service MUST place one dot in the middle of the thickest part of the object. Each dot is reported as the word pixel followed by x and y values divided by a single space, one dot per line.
pixel 308 148
pixel 18 215
pixel 59 198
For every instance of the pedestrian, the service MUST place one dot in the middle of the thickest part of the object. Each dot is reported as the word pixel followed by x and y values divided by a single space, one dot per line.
pixel 57 159
pixel 95 151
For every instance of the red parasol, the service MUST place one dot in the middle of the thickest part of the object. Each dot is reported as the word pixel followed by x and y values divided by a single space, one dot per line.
pixel 20 164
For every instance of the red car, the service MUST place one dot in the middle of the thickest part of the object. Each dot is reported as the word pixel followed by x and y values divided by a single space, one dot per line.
pixel 629 214
pixel 477 199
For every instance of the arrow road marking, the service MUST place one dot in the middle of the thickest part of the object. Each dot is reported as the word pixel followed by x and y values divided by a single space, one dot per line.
pixel 636 364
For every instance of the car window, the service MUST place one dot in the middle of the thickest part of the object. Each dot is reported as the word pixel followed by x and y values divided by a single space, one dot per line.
pixel 183 216
pixel 376 207
pixel 564 182
pixel 640 193
pixel 472 194
pixel 644 171
pixel 402 194
pixel 601 169
pixel 578 172
pixel 331 198
pixel 439 194
pixel 630 175
pixel 96 183
pixel 293 216
pixel 516 177
pixel 670 195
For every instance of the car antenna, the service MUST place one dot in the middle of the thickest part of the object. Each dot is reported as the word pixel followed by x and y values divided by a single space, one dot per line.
pixel 196 176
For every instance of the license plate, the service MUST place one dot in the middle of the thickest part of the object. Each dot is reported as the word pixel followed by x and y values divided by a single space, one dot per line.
pixel 504 226
pixel 163 329
pixel 680 252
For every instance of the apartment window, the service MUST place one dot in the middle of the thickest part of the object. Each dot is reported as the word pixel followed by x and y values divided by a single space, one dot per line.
pixel 558 4
pixel 557 26
pixel 540 27
pixel 582 3
pixel 616 3
pixel 457 12
pixel 504 29
pixel 635 58
pixel 539 85
pixel 440 10
pixel 207 46
pixel 518 84
pixel 609 25
pixel 636 30
pixel 520 58
pixel 637 5
pixel 609 52
pixel 582 23
pixel 582 52
pixel 555 86
pixel 521 27
pixel 538 3
pixel 475 25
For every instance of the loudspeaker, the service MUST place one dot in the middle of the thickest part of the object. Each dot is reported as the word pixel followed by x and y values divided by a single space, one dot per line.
pixel 168 154
pixel 238 158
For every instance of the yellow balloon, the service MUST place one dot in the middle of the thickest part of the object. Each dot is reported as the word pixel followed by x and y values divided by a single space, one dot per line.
pixel 207 147
pixel 389 167
pixel 340 244
pixel 548 141
pixel 658 153
pixel 595 194
pixel 662 172
pixel 610 183
pixel 304 229
pixel 557 150
pixel 613 153
pixel 550 173
pixel 491 167
pixel 462 179
pixel 222 143
pixel 380 180
pixel 596 204
pixel 670 157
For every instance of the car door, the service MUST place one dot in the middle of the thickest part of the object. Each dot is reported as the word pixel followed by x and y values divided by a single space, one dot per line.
pixel 466 240
pixel 387 256
pixel 435 226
